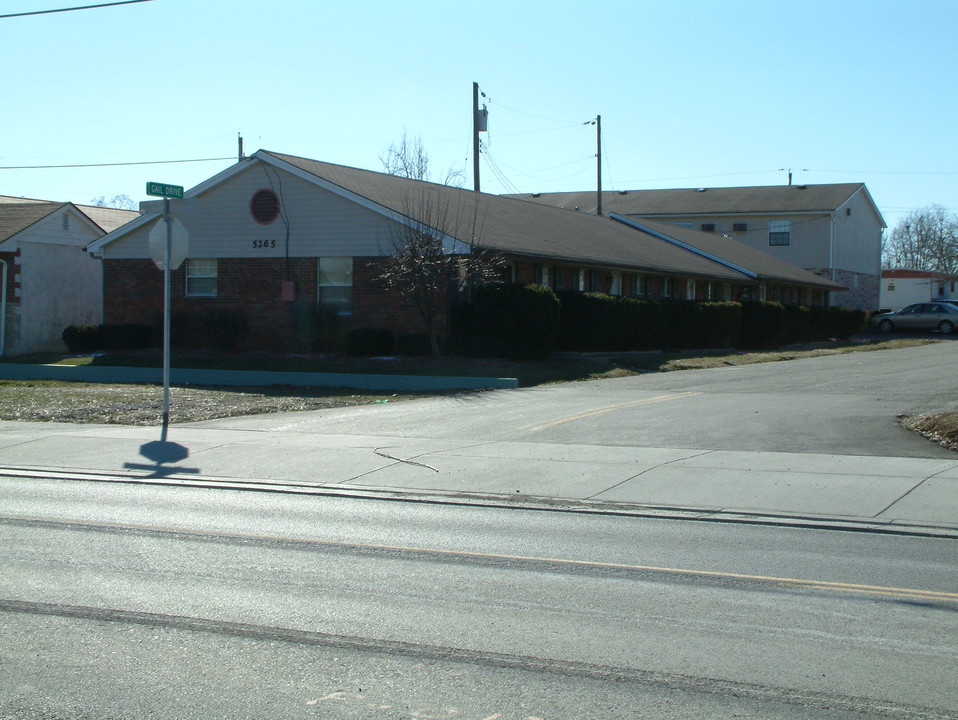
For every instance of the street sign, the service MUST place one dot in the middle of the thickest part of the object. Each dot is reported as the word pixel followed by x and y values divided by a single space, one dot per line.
pixel 179 243
pixel 164 190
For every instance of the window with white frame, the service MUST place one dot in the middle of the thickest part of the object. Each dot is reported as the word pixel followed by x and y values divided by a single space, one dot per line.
pixel 639 285
pixel 335 285
pixel 690 289
pixel 558 279
pixel 616 286
pixel 201 275
pixel 779 232
pixel 668 287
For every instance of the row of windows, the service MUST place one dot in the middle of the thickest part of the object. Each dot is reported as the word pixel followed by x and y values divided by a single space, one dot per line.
pixel 334 286
pixel 635 285
pixel 779 231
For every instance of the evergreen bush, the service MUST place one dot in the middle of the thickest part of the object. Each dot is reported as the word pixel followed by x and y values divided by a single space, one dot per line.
pixel 522 321
pixel 370 341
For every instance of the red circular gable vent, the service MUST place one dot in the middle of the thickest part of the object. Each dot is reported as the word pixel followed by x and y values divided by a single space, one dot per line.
pixel 264 207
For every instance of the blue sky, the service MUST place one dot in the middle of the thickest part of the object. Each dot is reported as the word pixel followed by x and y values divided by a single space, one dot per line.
pixel 692 93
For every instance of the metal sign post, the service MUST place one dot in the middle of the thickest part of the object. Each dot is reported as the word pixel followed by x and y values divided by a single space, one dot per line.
pixel 166 192
pixel 166 317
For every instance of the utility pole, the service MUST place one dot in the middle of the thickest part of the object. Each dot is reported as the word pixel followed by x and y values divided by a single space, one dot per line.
pixel 598 163
pixel 479 124
pixel 240 153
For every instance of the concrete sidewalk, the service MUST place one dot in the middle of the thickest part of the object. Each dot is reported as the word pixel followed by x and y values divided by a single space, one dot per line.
pixel 887 494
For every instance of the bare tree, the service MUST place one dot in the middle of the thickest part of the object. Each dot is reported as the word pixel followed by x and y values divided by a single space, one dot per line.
pixel 925 239
pixel 428 265
pixel 408 159
pixel 121 202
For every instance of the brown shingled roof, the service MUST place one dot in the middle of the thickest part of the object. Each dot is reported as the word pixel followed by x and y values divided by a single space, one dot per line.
pixel 513 226
pixel 706 201
pixel 17 217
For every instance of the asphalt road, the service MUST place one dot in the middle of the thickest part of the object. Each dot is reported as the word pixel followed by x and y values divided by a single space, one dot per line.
pixel 131 601
pixel 841 405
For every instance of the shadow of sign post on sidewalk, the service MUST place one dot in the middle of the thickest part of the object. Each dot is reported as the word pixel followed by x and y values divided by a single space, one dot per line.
pixel 160 453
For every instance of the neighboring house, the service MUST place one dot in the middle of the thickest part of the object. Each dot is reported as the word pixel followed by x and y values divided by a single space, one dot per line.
pixel 274 235
pixel 902 287
pixel 832 230
pixel 51 281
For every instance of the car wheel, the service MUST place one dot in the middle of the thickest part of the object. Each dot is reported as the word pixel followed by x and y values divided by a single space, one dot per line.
pixel 945 327
pixel 886 325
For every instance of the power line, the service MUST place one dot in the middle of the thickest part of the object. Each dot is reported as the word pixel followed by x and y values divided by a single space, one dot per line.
pixel 120 164
pixel 70 9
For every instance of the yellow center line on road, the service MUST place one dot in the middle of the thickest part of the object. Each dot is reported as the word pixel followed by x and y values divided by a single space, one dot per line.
pixel 609 408
pixel 806 584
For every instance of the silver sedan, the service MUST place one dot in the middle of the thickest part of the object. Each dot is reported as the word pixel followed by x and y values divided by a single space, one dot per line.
pixel 939 316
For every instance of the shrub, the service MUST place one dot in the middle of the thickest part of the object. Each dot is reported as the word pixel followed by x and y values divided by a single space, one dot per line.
pixel 680 322
pixel 226 329
pixel 323 327
pixel 763 324
pixel 370 341
pixel 413 344
pixel 718 324
pixel 522 321
pixel 586 321
pixel 847 321
pixel 798 325
pixel 87 338
pixel 635 325
pixel 82 338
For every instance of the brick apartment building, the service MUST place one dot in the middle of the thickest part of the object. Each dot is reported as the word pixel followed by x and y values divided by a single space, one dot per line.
pixel 275 235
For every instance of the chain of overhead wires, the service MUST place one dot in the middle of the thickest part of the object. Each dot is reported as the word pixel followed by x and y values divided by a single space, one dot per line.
pixel 117 164
pixel 71 9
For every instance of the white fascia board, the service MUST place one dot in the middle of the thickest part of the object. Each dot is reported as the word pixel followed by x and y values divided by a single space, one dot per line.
pixel 452 245
pixel 690 248
pixel 222 176
pixel 96 247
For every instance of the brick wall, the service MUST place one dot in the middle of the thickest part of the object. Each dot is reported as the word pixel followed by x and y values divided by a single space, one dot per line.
pixel 133 293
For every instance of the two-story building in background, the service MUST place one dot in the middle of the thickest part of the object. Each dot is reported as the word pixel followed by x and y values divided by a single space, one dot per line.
pixel 831 230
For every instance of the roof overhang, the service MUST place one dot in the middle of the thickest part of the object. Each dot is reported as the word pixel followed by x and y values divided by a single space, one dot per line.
pixel 685 246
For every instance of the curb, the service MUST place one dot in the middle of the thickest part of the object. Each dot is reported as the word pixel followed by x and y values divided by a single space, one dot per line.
pixel 492 500
pixel 252 378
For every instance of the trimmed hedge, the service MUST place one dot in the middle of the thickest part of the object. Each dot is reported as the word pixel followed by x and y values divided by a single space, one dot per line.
pixel 594 322
pixel 515 321
pixel 88 338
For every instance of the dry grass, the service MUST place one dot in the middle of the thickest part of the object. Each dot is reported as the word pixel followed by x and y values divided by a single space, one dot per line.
pixel 42 401
pixel 941 428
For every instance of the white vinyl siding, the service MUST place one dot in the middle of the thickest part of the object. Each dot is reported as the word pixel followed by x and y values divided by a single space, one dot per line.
pixel 321 224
